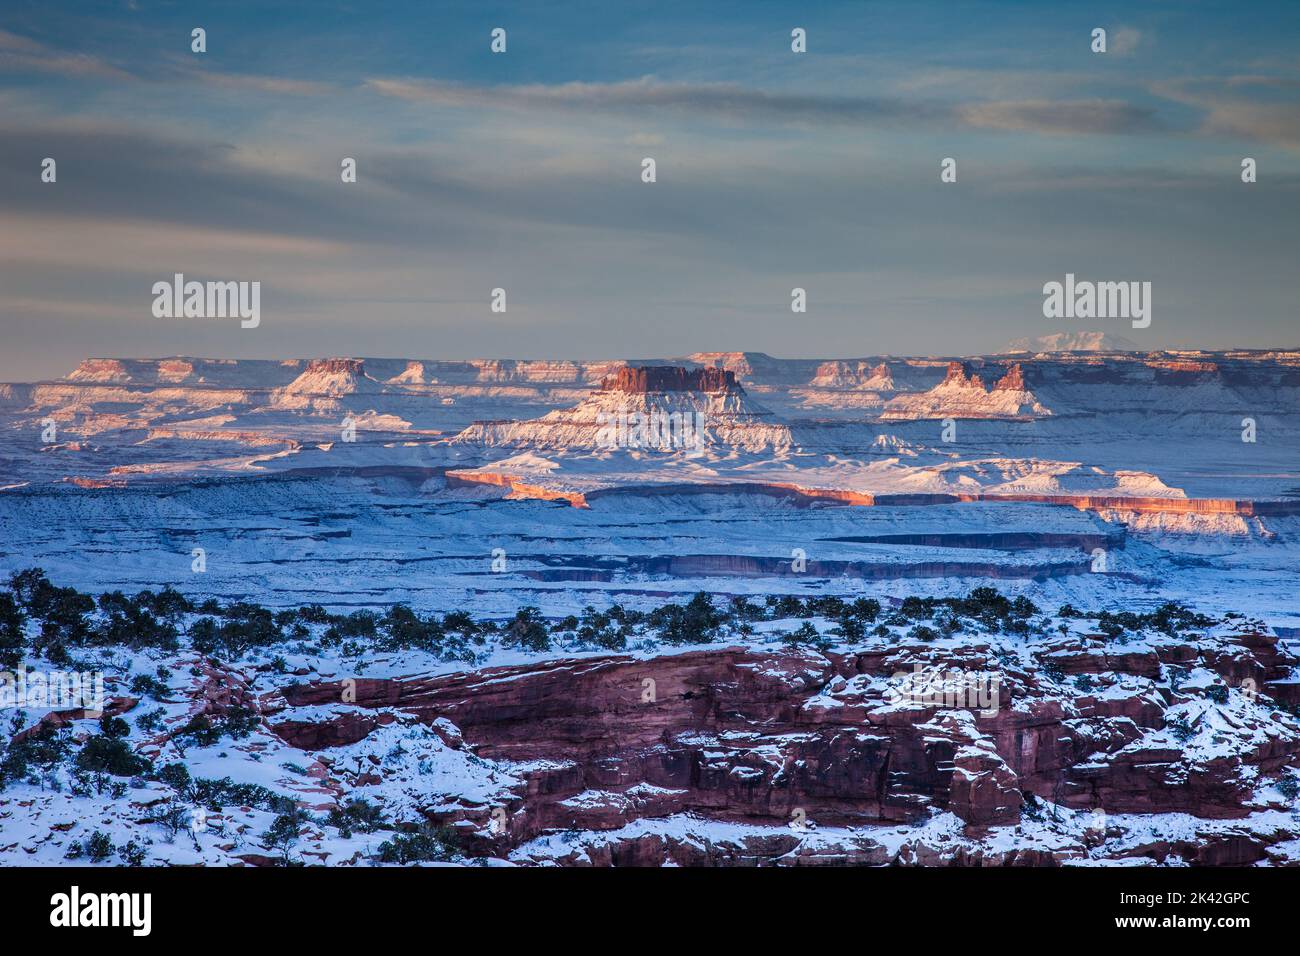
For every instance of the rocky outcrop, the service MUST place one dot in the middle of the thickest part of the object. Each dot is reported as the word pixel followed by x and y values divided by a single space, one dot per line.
pixel 100 371
pixel 1013 381
pixel 754 737
pixel 59 719
pixel 856 375
pixel 963 394
pixel 959 376
pixel 331 377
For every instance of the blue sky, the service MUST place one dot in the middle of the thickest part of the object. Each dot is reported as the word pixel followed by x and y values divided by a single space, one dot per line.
pixel 522 171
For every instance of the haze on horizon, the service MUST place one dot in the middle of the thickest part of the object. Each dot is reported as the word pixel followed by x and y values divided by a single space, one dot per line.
pixel 522 170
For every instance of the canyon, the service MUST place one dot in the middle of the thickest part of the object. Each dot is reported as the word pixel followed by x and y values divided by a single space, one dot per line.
pixel 1100 478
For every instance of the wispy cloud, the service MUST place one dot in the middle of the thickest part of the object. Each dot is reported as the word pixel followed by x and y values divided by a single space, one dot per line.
pixel 259 84
pixel 1064 117
pixel 1227 111
pixel 716 100
pixel 743 105
pixel 22 54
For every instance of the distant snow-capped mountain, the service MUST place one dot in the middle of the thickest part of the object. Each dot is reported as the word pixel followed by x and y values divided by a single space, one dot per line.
pixel 1072 342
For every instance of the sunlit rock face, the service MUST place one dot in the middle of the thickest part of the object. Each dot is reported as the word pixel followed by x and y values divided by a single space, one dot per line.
pixel 650 408
pixel 963 394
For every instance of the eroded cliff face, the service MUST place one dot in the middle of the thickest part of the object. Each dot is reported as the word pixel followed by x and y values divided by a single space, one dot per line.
pixel 608 748
pixel 669 378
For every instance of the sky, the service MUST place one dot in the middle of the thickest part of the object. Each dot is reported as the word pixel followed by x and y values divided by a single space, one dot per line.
pixel 522 170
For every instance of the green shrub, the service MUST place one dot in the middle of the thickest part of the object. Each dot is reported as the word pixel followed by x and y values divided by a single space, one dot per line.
pixel 284 832
pixel 99 846
pixel 696 622
pixel 1181 729
pixel 132 854
pixel 528 630
pixel 151 722
pixel 13 641
pixel 43 750
pixel 356 814
pixel 145 685
pixel 114 726
pixel 204 731
pixel 176 776
pixel 111 755
pixel 428 844
pixel 806 636
pixel 216 795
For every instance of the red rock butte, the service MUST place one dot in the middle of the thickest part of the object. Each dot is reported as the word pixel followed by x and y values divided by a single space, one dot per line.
pixel 337 365
pixel 670 378
pixel 959 374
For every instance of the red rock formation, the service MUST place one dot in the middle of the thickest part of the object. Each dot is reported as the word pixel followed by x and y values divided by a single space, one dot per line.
pixel 1012 381
pixel 336 732
pixel 1173 365
pixel 669 378
pixel 960 376
pixel 336 366
pixel 746 735
pixel 58 719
